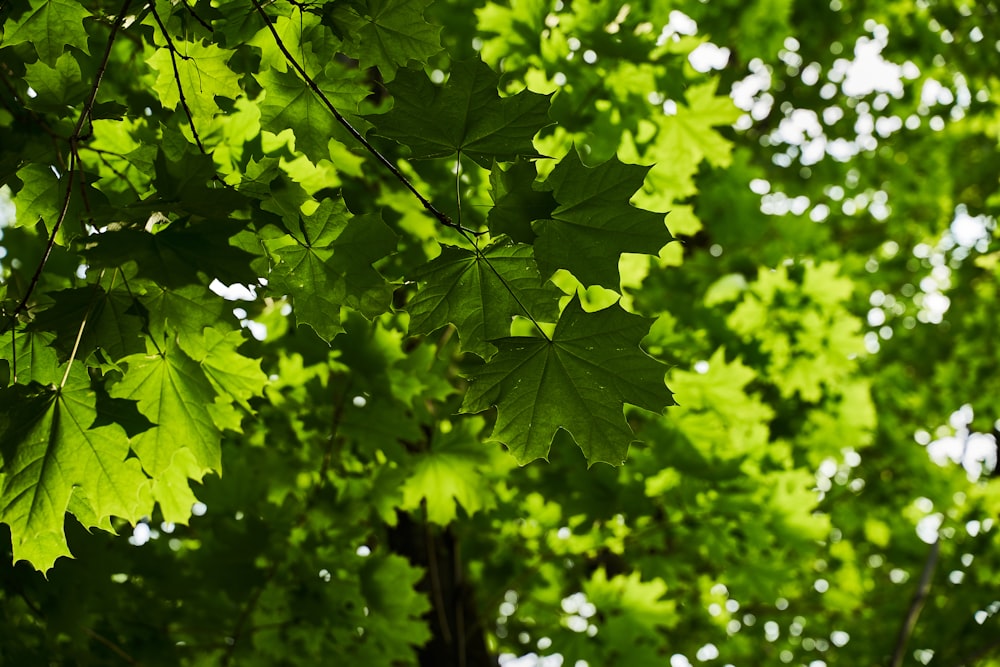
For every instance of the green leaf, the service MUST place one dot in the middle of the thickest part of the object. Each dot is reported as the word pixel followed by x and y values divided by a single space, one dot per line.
pixel 43 196
pixel 232 374
pixel 594 222
pixel 178 255
pixel 578 381
pixel 466 115
pixel 31 356
pixel 109 322
pixel 202 75
pixel 50 26
pixel 186 310
pixel 289 103
pixel 49 449
pixel 326 263
pixel 516 201
pixel 172 392
pixel 58 88
pixel 450 473
pixel 386 33
pixel 480 293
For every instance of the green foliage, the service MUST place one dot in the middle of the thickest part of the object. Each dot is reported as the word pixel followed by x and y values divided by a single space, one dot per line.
pixel 297 293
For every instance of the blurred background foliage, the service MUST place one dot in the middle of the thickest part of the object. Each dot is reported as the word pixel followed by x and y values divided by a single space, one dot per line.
pixel 822 494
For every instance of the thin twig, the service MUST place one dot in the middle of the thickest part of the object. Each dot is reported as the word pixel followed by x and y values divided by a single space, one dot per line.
pixel 83 326
pixel 115 648
pixel 205 24
pixel 74 163
pixel 177 75
pixel 980 654
pixel 916 604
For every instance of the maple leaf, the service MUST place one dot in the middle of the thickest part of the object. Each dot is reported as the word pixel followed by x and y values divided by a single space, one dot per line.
pixel 230 373
pixel 108 319
pixel 466 115
pixel 171 390
pixel 578 381
pixel 594 223
pixel 326 263
pixel 202 75
pixel 289 103
pixel 516 201
pixel 31 356
pixel 49 449
pixel 480 293
pixel 50 26
pixel 177 254
pixel 56 88
pixel 385 33
pixel 450 474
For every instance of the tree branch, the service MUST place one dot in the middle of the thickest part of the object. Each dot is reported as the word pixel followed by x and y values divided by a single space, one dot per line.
pixel 916 604
pixel 177 75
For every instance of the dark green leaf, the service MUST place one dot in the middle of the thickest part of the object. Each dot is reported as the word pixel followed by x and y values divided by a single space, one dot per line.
pixel 578 381
pixel 594 222
pixel 481 294
pixel 465 115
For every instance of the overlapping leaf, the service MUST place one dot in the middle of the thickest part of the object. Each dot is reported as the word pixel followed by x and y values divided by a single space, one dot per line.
pixel 176 255
pixel 202 75
pixel 480 293
pixel 578 381
pixel 466 115
pixel 385 33
pixel 172 392
pixel 516 201
pixel 326 263
pixel 109 321
pixel 289 103
pixel 50 452
pixel 594 222
pixel 51 26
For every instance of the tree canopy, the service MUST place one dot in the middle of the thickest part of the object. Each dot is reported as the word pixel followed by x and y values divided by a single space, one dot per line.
pixel 400 332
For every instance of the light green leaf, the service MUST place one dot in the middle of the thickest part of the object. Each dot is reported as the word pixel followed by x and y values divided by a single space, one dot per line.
pixel 326 263
pixel 48 450
pixel 232 374
pixel 56 88
pixel 172 392
pixel 578 381
pixel 31 356
pixel 450 474
pixel 51 26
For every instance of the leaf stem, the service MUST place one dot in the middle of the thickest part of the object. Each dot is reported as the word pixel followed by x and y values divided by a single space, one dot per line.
pixel 916 604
